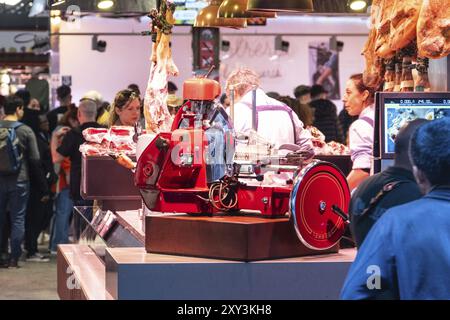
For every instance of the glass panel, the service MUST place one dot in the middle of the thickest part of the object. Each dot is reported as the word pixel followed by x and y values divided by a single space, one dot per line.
pixel 92 225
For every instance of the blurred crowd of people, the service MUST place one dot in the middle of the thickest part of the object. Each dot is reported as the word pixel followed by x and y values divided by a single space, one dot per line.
pixel 40 165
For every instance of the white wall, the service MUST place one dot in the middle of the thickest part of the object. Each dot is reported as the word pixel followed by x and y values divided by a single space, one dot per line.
pixel 126 59
pixel 255 49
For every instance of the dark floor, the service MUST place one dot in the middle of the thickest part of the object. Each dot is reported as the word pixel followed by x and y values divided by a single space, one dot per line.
pixel 33 281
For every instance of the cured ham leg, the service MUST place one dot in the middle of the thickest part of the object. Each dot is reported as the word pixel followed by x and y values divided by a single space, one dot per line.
pixel 382 48
pixel 372 75
pixel 433 29
pixel 157 116
pixel 405 15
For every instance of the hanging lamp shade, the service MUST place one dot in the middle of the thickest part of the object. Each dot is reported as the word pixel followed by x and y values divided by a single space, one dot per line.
pixel 281 5
pixel 208 17
pixel 238 9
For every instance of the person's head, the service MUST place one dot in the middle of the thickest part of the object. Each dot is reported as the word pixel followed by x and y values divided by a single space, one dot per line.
pixel 70 118
pixel 172 87
pixel 430 154
pixel 14 107
pixel 94 96
pixel 303 94
pixel 402 143
pixel 25 96
pixel 357 95
pixel 64 95
pixel 242 80
pixel 126 108
pixel 318 92
pixel 134 87
pixel 87 111
pixel 224 100
pixel 43 123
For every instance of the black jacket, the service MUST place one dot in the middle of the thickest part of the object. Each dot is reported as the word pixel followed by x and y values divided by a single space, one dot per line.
pixel 326 120
pixel 405 192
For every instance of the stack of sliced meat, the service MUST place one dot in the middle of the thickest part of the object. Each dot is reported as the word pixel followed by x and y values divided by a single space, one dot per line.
pixel 118 139
pixel 321 147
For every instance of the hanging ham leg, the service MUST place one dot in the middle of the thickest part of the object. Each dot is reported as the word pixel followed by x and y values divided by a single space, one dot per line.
pixel 404 23
pixel 372 75
pixel 433 29
pixel 382 48
pixel 157 116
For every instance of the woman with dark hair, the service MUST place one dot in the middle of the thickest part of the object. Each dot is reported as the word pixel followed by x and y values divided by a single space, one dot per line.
pixel 359 101
pixel 126 109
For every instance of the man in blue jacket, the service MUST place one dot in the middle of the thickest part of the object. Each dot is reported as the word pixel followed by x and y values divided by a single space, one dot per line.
pixel 406 255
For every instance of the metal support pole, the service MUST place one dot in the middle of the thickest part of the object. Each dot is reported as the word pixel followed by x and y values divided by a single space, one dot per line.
pixel 254 127
pixel 232 104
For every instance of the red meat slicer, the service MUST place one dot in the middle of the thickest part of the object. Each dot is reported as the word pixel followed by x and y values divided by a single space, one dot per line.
pixel 193 170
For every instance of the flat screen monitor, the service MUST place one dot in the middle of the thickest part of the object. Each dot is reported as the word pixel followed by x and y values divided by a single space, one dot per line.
pixel 186 11
pixel 397 109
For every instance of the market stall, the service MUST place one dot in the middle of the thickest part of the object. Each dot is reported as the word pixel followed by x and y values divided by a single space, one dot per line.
pixel 185 211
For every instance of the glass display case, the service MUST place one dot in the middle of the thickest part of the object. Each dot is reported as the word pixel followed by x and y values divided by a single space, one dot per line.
pixel 100 228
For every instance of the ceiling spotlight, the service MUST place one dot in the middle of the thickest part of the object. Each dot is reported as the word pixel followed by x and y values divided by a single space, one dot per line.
pixel 41 45
pixel 225 45
pixel 105 4
pixel 357 5
pixel 281 45
pixel 98 45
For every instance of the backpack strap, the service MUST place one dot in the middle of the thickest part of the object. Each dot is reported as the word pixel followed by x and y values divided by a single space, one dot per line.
pixel 380 195
pixel 11 125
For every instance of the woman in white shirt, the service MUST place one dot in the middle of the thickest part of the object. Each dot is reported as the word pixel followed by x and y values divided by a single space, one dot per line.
pixel 359 101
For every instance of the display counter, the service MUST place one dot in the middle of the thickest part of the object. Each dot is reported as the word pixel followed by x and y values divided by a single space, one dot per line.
pixel 110 260
pixel 101 267
pixel 110 184
pixel 132 273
